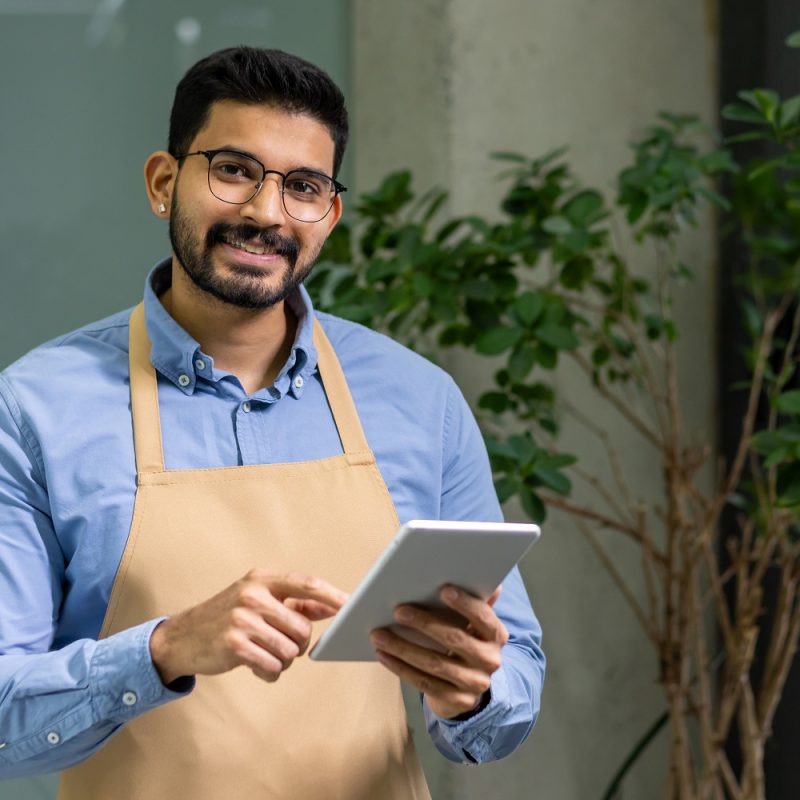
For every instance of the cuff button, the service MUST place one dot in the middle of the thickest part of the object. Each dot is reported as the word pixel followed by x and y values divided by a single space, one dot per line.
pixel 129 698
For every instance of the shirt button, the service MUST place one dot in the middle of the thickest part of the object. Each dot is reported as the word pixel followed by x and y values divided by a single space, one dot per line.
pixel 184 380
pixel 298 382
pixel 2 745
pixel 200 364
pixel 53 737
pixel 129 698
pixel 246 406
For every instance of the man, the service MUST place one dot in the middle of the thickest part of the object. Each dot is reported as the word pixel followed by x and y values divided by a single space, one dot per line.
pixel 186 488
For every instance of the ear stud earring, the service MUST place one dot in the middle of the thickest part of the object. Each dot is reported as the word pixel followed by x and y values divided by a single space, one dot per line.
pixel 161 208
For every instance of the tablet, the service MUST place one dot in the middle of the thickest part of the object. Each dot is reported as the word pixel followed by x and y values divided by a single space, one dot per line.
pixel 423 556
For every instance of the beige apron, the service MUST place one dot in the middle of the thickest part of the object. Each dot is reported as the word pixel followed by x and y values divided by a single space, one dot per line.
pixel 324 730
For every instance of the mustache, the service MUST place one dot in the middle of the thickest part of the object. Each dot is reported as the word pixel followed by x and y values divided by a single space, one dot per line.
pixel 222 231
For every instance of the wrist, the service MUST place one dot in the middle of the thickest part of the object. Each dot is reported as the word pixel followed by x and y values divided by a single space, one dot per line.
pixel 482 703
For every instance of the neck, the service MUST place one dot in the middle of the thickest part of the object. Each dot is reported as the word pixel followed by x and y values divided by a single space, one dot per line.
pixel 252 344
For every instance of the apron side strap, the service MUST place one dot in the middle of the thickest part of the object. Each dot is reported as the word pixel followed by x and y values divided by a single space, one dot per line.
pixel 340 400
pixel 144 398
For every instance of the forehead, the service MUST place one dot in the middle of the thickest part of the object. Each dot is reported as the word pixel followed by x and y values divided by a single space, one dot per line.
pixel 275 136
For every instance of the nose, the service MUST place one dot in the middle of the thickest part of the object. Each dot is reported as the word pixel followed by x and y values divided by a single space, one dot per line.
pixel 266 206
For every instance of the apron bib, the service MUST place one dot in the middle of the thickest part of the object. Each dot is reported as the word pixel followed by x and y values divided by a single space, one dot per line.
pixel 323 731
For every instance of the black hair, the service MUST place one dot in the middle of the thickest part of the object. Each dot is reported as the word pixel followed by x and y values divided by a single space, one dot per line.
pixel 255 76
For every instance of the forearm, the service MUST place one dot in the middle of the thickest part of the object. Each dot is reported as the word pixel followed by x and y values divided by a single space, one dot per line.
pixel 57 708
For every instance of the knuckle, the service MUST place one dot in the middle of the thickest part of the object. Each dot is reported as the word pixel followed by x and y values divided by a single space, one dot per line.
pixel 454 638
pixel 249 595
pixel 257 575
pixel 238 617
pixel 503 634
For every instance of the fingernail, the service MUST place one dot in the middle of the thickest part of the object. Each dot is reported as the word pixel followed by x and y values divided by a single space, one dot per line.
pixel 379 638
pixel 450 594
pixel 404 614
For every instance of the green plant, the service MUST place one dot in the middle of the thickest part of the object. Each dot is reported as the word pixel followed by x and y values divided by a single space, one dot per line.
pixel 547 282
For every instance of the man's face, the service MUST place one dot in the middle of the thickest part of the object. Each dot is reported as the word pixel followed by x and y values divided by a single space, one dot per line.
pixel 251 255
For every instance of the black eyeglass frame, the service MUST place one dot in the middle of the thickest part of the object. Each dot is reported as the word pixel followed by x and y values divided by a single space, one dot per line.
pixel 209 154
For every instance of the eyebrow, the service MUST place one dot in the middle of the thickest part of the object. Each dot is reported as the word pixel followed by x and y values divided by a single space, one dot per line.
pixel 303 168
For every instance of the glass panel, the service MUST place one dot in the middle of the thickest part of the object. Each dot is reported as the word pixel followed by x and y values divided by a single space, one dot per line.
pixel 89 83
pixel 86 95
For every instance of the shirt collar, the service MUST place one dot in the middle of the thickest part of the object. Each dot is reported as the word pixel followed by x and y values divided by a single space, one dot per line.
pixel 178 357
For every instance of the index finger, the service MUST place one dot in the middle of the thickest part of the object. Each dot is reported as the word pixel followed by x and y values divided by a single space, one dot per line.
pixel 305 587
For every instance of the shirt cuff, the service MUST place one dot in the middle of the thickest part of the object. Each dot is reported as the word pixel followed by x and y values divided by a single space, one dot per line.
pixel 470 739
pixel 123 678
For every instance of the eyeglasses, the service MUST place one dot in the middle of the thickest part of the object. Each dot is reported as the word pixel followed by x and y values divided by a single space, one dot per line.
pixel 234 177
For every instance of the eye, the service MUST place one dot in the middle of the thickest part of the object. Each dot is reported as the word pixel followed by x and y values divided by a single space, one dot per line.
pixel 308 186
pixel 234 168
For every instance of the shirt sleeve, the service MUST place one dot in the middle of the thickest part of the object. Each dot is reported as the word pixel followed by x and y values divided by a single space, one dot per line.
pixel 56 706
pixel 499 728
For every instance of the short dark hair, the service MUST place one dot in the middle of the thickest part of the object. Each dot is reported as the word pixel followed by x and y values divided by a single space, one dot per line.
pixel 255 76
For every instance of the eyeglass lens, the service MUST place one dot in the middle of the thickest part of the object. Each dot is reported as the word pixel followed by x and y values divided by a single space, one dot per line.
pixel 235 178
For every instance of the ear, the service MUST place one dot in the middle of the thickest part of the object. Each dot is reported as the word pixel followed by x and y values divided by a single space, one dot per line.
pixel 334 215
pixel 160 172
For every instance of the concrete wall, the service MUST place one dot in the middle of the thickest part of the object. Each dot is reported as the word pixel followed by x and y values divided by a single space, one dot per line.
pixel 436 86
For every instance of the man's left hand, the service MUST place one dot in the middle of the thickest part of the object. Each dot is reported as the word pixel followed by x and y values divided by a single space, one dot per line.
pixel 453 682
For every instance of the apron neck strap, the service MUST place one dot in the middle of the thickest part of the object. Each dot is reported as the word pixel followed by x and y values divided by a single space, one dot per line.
pixel 144 397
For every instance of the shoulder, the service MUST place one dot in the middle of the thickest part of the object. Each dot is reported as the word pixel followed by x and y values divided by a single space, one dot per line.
pixel 364 351
pixel 75 358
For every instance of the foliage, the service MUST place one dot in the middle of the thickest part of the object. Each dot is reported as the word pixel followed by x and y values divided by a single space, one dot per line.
pixel 548 281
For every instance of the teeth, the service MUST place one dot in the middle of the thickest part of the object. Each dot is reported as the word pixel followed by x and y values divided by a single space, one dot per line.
pixel 249 248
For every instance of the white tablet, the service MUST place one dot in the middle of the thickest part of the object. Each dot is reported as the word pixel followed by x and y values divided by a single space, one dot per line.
pixel 423 556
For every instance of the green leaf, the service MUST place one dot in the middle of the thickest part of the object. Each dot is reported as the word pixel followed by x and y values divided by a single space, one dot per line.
pixel 789 110
pixel 553 479
pixel 495 401
pixel 765 442
pixel 585 207
pixel 557 225
pixel 576 272
pixel 523 447
pixel 521 362
pixel 497 340
pixel 789 402
pixel 793 39
pixel 739 113
pixel 504 156
pixel 528 307
pixel 557 336
pixel 532 505
pixel 506 487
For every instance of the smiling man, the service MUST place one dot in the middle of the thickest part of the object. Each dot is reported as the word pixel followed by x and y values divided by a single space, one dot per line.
pixel 188 486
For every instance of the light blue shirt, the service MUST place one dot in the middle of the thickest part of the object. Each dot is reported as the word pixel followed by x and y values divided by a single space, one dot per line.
pixel 67 487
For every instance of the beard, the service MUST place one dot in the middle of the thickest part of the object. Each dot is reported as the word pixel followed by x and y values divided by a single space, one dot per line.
pixel 247 286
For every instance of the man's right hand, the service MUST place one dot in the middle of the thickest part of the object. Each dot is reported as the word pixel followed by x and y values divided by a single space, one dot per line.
pixel 263 621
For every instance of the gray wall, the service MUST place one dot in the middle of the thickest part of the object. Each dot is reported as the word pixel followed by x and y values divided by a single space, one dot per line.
pixel 438 84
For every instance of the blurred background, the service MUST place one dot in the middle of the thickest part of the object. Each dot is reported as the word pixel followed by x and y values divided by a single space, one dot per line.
pixel 433 85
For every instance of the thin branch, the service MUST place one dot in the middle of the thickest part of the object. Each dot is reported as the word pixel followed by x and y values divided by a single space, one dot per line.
pixel 616 576
pixel 640 425
pixel 559 502
pixel 611 452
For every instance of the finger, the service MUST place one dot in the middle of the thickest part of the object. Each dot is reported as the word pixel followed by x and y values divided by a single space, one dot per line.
pixel 474 650
pixel 248 653
pixel 257 598
pixel 298 585
pixel 270 639
pixel 495 594
pixel 311 609
pixel 443 698
pixel 444 668
pixel 482 619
